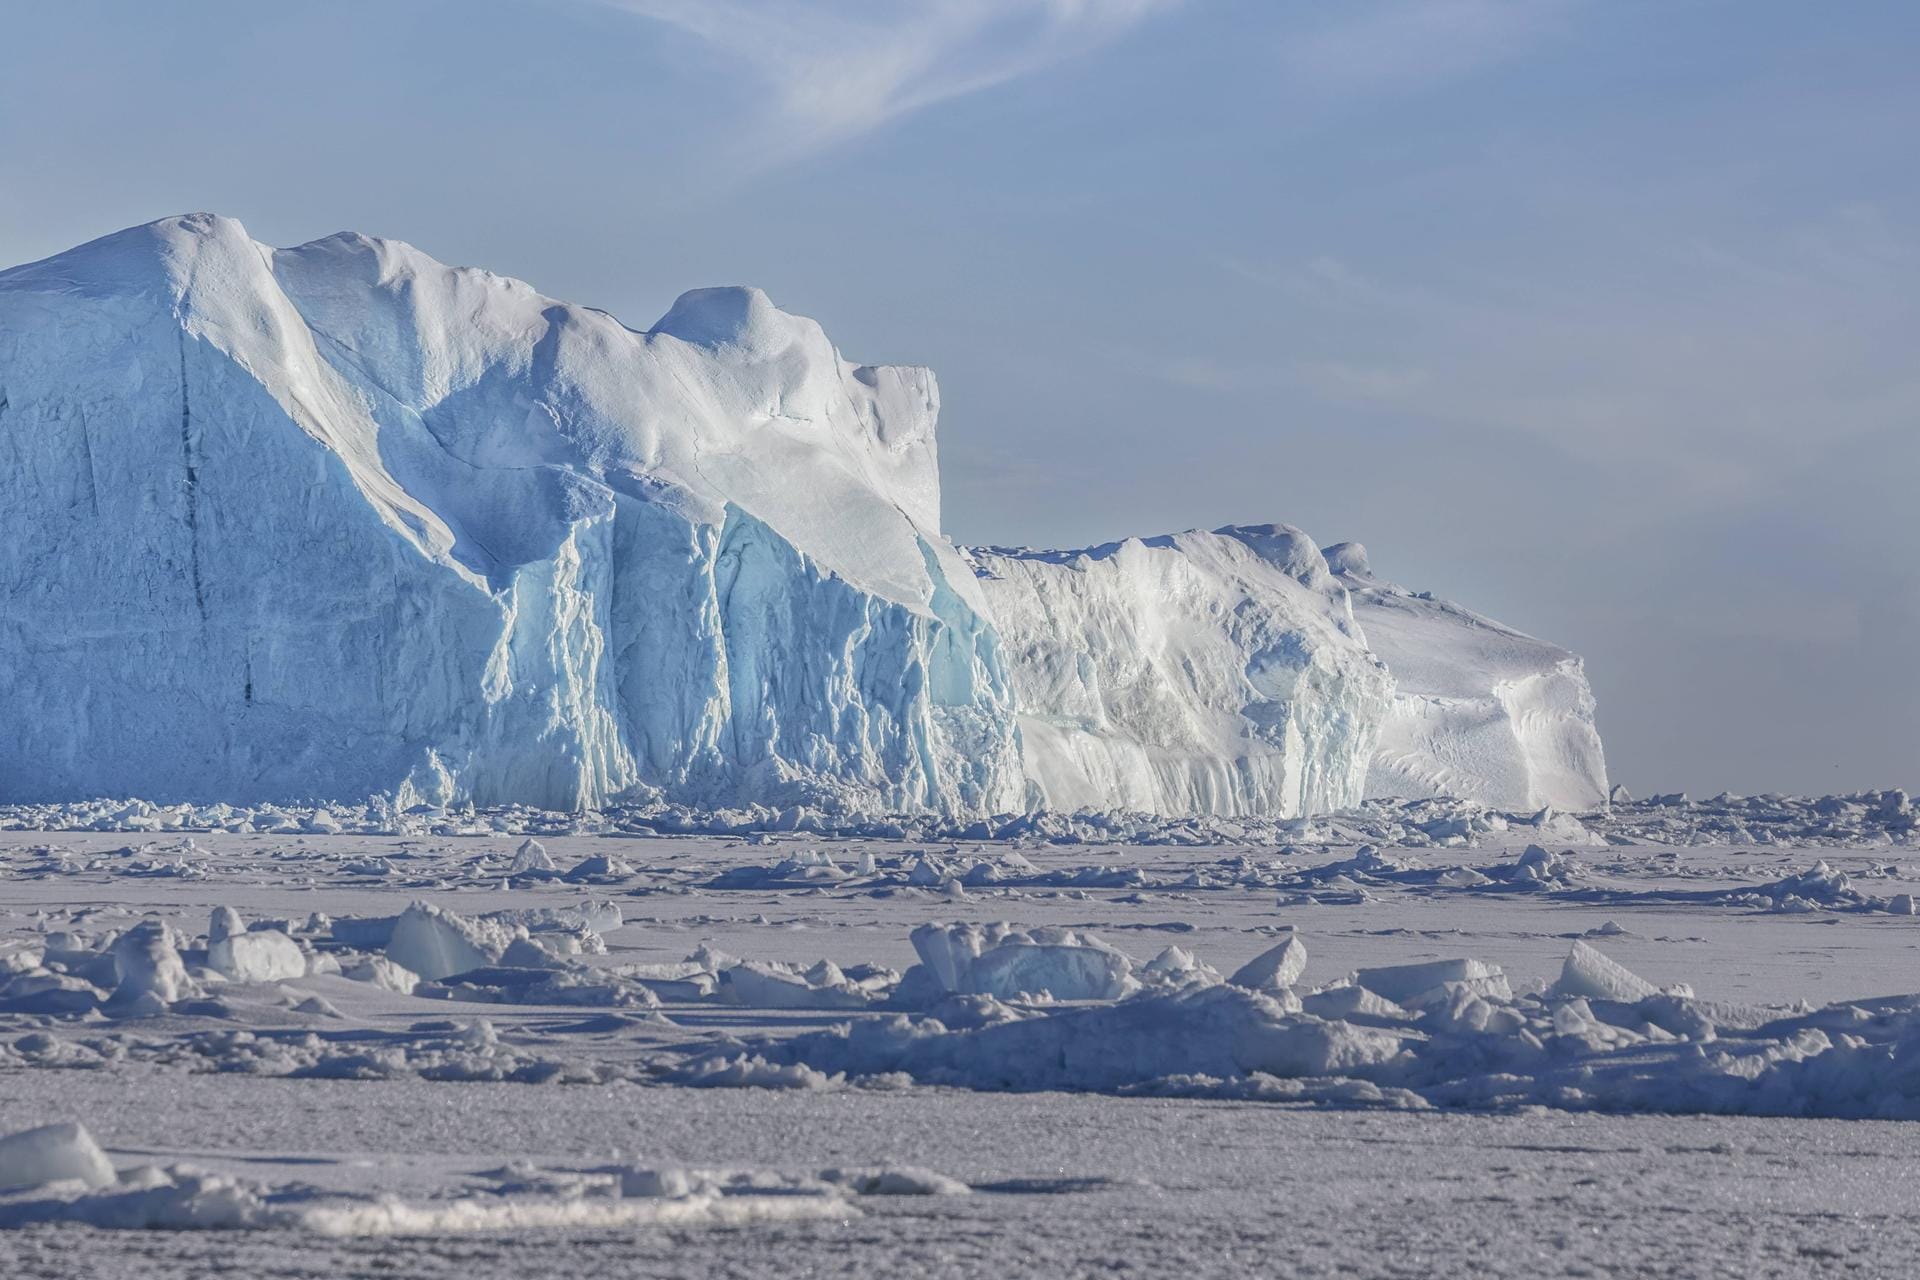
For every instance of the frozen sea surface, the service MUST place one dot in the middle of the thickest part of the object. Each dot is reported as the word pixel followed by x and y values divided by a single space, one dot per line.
pixel 1064 1185
pixel 1438 1092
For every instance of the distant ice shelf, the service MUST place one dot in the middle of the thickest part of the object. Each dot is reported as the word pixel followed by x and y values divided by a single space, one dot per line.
pixel 339 521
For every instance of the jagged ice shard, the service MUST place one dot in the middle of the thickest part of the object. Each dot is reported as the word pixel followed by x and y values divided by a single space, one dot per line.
pixel 339 520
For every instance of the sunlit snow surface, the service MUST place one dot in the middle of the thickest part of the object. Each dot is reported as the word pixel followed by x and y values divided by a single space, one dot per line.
pixel 1666 1039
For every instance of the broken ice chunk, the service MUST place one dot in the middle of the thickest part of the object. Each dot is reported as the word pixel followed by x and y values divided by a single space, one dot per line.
pixel 531 856
pixel 1589 974
pixel 225 923
pixel 263 956
pixel 438 944
pixel 1011 964
pixel 1279 966
pixel 53 1153
pixel 1413 984
pixel 148 972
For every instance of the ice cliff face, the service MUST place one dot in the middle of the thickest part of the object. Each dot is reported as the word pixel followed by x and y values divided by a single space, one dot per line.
pixel 335 521
pixel 339 519
pixel 1199 673
pixel 1479 710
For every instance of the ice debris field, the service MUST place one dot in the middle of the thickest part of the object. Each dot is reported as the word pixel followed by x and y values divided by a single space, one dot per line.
pixel 1734 957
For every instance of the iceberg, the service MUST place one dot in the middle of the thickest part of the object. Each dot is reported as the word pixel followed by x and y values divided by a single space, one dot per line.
pixel 340 521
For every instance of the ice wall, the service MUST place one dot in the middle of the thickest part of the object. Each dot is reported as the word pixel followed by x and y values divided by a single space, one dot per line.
pixel 1214 673
pixel 339 519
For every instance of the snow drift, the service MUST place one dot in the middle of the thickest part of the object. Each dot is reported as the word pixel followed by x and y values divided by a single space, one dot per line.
pixel 340 521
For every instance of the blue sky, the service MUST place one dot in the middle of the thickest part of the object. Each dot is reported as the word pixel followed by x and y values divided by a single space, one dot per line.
pixel 1600 316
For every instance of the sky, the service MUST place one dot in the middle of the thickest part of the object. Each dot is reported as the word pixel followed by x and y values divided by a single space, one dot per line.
pixel 1601 317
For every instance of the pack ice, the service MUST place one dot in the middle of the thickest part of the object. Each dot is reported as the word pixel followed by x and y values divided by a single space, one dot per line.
pixel 340 521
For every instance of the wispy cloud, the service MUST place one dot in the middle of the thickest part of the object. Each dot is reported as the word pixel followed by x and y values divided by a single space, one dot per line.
pixel 1721 362
pixel 836 69
pixel 1369 48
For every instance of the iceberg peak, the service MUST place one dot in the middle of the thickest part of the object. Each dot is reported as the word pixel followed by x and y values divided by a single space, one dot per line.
pixel 1282 546
pixel 735 316
pixel 1349 559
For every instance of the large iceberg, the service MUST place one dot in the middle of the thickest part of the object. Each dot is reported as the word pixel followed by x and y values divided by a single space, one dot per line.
pixel 340 521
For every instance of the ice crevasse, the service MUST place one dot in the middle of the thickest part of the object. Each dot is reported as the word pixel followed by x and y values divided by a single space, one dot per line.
pixel 340 520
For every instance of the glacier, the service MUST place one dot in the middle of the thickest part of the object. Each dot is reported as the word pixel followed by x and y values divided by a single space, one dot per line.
pixel 339 520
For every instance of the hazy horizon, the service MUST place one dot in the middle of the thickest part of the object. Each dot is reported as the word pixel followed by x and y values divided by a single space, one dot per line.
pixel 1595 318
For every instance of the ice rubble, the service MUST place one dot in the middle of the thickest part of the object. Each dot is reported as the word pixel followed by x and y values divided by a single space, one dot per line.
pixel 1478 710
pixel 1857 821
pixel 417 531
pixel 1403 822
pixel 987 1007
pixel 1446 1033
